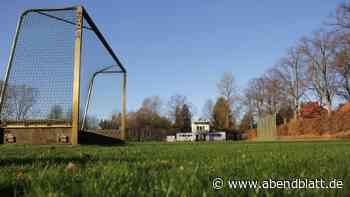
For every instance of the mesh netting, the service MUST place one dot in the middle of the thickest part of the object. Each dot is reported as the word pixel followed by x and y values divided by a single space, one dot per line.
pixel 41 78
pixel 106 88
pixel 105 101
pixel 40 82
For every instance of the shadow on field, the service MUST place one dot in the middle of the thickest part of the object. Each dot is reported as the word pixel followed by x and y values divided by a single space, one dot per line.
pixel 80 160
pixel 90 138
pixel 1 136
pixel 7 190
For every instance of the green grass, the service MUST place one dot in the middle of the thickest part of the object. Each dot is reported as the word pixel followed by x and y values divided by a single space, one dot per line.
pixel 161 169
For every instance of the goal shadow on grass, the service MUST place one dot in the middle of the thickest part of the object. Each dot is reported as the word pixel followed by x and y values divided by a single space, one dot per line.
pixel 91 138
pixel 50 160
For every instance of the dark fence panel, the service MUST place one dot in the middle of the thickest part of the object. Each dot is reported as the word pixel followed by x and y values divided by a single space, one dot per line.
pixel 149 134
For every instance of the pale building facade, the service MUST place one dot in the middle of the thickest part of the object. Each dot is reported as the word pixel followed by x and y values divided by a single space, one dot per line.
pixel 200 127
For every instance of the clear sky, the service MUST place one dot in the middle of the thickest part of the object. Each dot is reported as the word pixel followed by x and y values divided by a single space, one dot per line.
pixel 184 46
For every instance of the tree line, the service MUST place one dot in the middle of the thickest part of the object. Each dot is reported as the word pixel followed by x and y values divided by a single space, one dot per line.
pixel 316 68
pixel 177 113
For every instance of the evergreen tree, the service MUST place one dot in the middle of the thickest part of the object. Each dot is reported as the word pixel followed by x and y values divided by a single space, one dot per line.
pixel 186 118
pixel 178 117
pixel 56 112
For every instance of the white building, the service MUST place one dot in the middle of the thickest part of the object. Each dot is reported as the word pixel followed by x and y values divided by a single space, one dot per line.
pixel 200 131
pixel 200 127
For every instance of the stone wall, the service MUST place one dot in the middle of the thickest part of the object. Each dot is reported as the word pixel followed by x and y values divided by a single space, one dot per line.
pixel 37 135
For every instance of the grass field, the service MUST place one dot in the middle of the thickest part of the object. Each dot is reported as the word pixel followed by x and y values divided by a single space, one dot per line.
pixel 160 169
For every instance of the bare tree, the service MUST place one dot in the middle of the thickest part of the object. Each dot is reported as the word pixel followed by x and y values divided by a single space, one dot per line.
pixel 342 64
pixel 228 90
pixel 174 106
pixel 341 21
pixel 343 16
pixel 113 122
pixel 265 95
pixel 290 71
pixel 319 52
pixel 254 96
pixel 7 108
pixel 275 94
pixel 152 104
pixel 207 111
pixel 227 87
pixel 21 99
pixel 148 116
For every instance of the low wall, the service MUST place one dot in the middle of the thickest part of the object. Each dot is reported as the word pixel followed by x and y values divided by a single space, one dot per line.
pixel 55 135
pixel 49 135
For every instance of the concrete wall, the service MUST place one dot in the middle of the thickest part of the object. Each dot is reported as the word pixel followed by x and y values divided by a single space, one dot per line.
pixel 51 135
pixel 37 135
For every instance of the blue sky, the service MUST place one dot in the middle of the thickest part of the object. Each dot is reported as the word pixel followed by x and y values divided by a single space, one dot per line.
pixel 182 46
